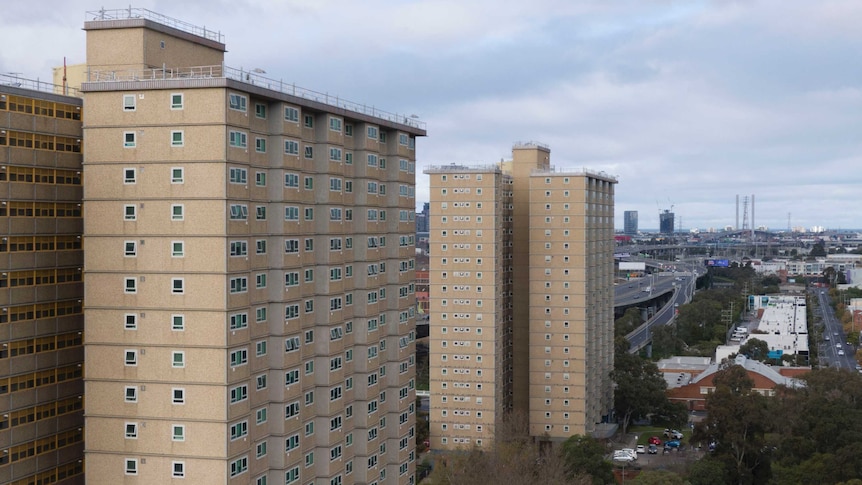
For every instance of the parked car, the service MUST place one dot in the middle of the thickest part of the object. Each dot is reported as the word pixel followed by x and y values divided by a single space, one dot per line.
pixel 671 444
pixel 654 440
pixel 653 449
pixel 631 452
pixel 673 434
pixel 619 455
pixel 641 449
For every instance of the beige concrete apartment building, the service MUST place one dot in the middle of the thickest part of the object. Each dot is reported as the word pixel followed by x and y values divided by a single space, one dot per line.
pixel 249 265
pixel 41 289
pixel 541 341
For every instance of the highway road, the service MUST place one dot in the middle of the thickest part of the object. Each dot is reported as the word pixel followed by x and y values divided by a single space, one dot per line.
pixel 681 283
pixel 834 332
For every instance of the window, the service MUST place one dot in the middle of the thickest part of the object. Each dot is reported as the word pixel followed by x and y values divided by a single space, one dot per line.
pixel 129 139
pixel 238 175
pixel 260 213
pixel 260 280
pixel 308 121
pixel 238 139
pixel 260 110
pixel 238 430
pixel 177 249
pixel 309 151
pixel 238 212
pixel 178 358
pixel 238 248
pixel 238 102
pixel 291 147
pixel 260 145
pixel 291 180
pixel 131 249
pixel 238 357
pixel 177 212
pixel 131 431
pixel 177 139
pixel 260 416
pixel 238 321
pixel 291 246
pixel 335 124
pixel 260 246
pixel 291 344
pixel 239 393
pixel 178 395
pixel 260 348
pixel 128 102
pixel 131 394
pixel 179 469
pixel 238 467
pixel 372 132
pixel 335 154
pixel 129 175
pixel 177 175
pixel 260 179
pixel 309 183
pixel 178 432
pixel 130 213
pixel 291 476
pixel 260 449
pixel 177 286
pixel 291 114
pixel 176 101
pixel 131 466
pixel 131 285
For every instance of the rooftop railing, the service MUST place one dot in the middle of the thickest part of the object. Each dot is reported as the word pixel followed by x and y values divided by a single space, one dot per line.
pixel 455 167
pixel 142 13
pixel 553 170
pixel 16 81
pixel 254 78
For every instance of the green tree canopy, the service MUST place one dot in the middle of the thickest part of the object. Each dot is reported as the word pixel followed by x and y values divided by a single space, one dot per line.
pixel 584 455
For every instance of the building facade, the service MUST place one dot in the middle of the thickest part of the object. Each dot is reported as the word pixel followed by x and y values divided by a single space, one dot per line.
pixel 630 223
pixel 41 288
pixel 540 342
pixel 250 297
pixel 666 222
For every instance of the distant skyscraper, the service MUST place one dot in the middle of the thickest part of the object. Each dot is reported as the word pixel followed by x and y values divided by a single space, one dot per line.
pixel 666 222
pixel 631 222
pixel 521 312
pixel 422 219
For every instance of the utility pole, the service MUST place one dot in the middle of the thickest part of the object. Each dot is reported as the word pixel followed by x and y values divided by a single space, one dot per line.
pixel 727 318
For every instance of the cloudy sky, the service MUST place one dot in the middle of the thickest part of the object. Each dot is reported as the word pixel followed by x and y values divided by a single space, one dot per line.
pixel 687 102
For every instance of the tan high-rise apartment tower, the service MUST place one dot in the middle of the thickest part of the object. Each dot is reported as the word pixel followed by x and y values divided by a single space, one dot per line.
pixel 521 313
pixel 249 266
pixel 41 289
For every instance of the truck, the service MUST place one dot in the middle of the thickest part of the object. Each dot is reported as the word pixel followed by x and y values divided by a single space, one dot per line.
pixel 647 289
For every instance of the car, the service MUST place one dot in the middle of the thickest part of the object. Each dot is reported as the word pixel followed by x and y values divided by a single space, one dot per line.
pixel 835 333
pixel 641 449
pixel 653 449
pixel 858 367
pixel 838 346
pixel 826 338
pixel 673 434
pixel 671 444
pixel 654 440
pixel 631 452
pixel 624 457
pixel 840 352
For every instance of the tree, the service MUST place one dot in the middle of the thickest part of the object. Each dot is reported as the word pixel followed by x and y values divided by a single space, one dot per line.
pixel 515 458
pixel 640 387
pixel 755 349
pixel 708 471
pixel 630 320
pixel 736 421
pixel 584 455
pixel 817 250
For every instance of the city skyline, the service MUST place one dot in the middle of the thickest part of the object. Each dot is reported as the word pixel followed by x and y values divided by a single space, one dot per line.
pixel 687 103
